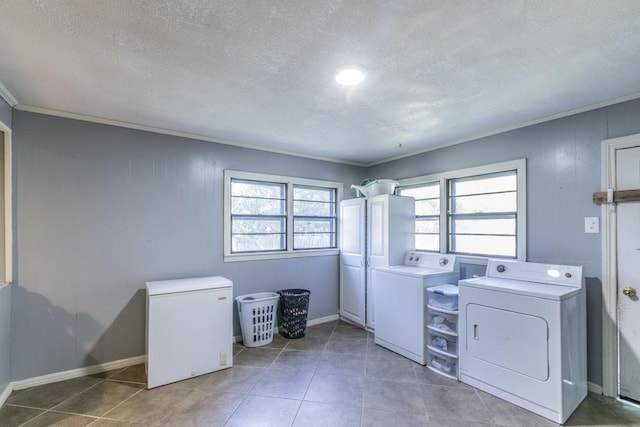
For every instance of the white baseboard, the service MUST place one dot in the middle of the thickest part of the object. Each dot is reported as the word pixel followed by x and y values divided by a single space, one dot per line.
pixel 76 373
pixel 4 395
pixel 312 322
pixel 594 388
pixel 321 320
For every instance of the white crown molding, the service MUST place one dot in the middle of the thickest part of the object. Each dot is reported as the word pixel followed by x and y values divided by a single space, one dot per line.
pixel 474 137
pixel 7 96
pixel 84 117
pixel 128 125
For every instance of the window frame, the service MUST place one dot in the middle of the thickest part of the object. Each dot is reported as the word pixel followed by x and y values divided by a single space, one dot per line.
pixel 519 165
pixel 6 275
pixel 289 183
pixel 435 183
pixel 310 218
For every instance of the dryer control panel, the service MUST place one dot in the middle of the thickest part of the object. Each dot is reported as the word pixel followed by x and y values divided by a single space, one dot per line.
pixel 553 274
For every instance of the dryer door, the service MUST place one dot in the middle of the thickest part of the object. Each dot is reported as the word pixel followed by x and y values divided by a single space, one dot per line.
pixel 514 341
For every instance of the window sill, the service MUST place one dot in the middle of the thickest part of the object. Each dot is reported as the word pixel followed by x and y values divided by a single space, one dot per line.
pixel 280 255
pixel 480 260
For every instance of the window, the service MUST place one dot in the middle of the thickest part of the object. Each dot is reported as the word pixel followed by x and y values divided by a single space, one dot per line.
pixel 314 217
pixel 270 216
pixel 427 214
pixel 484 214
pixel 258 216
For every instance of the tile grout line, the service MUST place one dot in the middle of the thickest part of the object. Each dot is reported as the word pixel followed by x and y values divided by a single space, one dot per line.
pixel 315 371
pixel 46 410
pixel 120 404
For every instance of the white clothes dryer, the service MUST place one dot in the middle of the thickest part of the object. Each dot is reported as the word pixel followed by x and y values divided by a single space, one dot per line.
pixel 523 336
pixel 400 304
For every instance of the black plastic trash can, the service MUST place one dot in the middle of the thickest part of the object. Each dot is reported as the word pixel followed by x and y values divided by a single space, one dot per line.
pixel 294 306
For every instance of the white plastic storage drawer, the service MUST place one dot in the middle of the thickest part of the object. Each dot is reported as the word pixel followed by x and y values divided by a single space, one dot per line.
pixel 443 342
pixel 443 296
pixel 443 364
pixel 443 322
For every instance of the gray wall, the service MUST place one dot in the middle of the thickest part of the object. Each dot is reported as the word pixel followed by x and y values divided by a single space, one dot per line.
pixel 5 336
pixel 101 209
pixel 563 171
pixel 5 295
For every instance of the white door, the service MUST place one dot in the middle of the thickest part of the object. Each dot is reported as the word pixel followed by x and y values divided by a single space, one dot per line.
pixel 628 250
pixel 352 260
pixel 377 248
pixel 378 224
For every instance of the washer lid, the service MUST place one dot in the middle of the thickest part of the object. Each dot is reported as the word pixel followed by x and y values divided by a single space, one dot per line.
pixel 408 270
pixel 185 285
pixel 521 287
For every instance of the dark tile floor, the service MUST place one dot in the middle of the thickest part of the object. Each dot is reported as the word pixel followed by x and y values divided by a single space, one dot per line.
pixel 335 376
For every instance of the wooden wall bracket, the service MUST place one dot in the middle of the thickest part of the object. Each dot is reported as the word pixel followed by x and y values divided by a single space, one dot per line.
pixel 620 196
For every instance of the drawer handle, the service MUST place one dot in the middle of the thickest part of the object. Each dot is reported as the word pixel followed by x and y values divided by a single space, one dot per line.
pixel 476 332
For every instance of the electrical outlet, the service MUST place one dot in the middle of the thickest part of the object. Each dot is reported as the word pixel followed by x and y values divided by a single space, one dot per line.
pixel 591 224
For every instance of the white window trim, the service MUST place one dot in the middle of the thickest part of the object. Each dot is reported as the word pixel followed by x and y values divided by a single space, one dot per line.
pixel 520 165
pixel 8 211
pixel 290 181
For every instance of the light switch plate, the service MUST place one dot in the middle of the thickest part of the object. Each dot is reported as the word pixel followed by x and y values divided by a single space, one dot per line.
pixel 591 224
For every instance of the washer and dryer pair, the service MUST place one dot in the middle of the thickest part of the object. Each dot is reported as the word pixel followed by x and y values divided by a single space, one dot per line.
pixel 521 330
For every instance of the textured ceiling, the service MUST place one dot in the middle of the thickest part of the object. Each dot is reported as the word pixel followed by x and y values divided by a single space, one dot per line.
pixel 260 73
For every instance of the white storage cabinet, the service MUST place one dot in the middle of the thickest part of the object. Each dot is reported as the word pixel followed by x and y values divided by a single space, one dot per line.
pixel 189 328
pixel 374 232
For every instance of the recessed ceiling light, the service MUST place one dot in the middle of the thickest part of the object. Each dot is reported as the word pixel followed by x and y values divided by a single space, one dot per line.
pixel 351 75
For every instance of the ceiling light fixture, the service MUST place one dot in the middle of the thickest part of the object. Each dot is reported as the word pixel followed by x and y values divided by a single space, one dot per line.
pixel 351 75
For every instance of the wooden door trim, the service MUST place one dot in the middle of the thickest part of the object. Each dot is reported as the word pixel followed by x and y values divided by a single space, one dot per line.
pixel 610 383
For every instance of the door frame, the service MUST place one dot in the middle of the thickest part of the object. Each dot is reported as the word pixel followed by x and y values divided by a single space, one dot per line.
pixel 7 193
pixel 610 374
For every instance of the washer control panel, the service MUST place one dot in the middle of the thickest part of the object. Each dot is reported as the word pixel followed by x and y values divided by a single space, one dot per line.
pixel 432 260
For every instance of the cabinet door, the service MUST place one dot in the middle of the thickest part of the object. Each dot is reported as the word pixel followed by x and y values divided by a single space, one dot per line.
pixel 352 232
pixel 378 232
pixel 352 259
pixel 515 342
pixel 352 293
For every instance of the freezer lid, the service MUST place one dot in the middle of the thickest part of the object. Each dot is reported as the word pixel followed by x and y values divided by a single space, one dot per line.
pixel 161 287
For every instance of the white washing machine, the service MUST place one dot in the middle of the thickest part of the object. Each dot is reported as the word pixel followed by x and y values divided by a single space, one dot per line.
pixel 522 336
pixel 401 298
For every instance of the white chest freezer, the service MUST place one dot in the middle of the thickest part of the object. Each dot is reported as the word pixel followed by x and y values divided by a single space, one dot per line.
pixel 189 328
